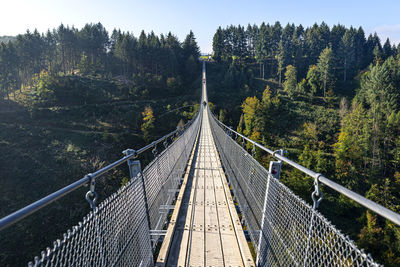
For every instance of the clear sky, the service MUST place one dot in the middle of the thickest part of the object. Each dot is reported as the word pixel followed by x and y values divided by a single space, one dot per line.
pixel 203 17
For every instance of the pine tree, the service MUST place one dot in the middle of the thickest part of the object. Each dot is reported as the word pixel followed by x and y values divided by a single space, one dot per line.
pixel 313 79
pixel 280 57
pixel 190 47
pixel 325 62
pixel 348 51
pixel 387 49
pixel 290 83
pixel 218 45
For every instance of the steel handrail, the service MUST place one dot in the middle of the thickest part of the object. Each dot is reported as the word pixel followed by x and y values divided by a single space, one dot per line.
pixel 369 204
pixel 43 202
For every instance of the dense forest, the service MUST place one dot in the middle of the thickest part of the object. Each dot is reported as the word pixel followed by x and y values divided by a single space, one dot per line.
pixel 331 98
pixel 6 39
pixel 71 101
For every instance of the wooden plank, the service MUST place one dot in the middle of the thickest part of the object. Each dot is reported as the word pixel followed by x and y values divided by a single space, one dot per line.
pixel 188 223
pixel 163 254
pixel 212 234
pixel 195 254
pixel 237 226
pixel 213 249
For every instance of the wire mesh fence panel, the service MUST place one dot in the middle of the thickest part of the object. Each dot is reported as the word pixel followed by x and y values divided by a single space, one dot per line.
pixel 163 176
pixel 116 232
pixel 286 230
pixel 246 177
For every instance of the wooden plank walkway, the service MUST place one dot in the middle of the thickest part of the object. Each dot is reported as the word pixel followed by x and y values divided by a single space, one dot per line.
pixel 205 229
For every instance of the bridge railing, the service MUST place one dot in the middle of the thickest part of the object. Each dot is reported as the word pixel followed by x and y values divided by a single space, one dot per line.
pixel 284 229
pixel 119 231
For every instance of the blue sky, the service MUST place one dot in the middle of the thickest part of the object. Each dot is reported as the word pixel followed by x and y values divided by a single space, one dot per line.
pixel 203 17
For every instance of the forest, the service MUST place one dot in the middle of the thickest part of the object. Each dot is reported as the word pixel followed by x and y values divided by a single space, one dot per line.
pixel 73 99
pixel 331 98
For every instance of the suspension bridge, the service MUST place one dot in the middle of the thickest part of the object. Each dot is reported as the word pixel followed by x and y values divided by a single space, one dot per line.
pixel 203 201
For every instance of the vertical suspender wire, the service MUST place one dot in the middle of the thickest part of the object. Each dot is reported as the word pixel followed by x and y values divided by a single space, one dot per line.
pixel 316 202
pixel 95 212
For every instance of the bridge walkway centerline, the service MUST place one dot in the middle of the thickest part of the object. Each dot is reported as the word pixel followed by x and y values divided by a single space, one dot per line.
pixel 206 229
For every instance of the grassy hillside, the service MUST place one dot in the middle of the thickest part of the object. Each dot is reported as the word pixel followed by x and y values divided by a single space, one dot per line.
pixel 60 129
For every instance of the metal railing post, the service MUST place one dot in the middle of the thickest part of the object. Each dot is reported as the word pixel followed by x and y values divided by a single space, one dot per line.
pixel 317 193
pixel 263 244
pixel 135 172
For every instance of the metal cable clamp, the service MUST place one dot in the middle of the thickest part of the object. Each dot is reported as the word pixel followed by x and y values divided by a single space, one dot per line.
pixel 91 195
pixel 317 192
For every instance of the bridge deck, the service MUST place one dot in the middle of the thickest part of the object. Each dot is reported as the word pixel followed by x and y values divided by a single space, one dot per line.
pixel 206 231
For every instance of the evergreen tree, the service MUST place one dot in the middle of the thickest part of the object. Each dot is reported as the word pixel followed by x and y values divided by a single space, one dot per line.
pixel 290 83
pixel 348 51
pixel 387 49
pixel 280 57
pixel 262 47
pixel 378 55
pixel 313 79
pixel 190 47
pixel 218 45
pixel 325 62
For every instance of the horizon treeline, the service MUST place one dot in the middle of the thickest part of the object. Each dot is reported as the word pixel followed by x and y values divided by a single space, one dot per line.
pixel 274 47
pixel 93 51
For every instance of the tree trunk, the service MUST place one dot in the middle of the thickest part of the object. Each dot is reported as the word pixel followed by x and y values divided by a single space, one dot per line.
pixel 325 84
pixel 280 77
pixel 63 58
pixel 263 70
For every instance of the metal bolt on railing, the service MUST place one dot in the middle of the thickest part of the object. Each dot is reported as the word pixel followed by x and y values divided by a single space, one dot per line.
pixel 165 143
pixel 253 151
pixel 91 195
pixel 317 193
pixel 155 151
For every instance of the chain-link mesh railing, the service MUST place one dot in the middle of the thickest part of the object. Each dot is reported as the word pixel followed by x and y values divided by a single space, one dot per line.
pixel 285 230
pixel 163 176
pixel 116 232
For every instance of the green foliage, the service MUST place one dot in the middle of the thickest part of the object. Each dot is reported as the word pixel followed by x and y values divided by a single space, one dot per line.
pixel 90 51
pixel 250 106
pixel 148 123
pixel 367 154
pixel 6 39
pixel 84 66
pixel 313 79
pixel 302 86
pixel 274 47
pixel 290 84
pixel 241 124
pixel 351 148
pixel 222 115
pixel 75 101
pixel 358 147
pixel 324 66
